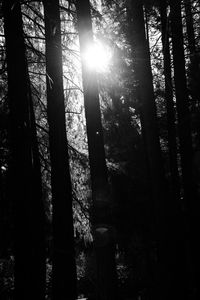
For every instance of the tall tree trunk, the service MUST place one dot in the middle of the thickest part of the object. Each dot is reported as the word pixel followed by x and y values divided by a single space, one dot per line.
pixel 191 202
pixel 102 211
pixel 26 189
pixel 181 97
pixel 2 213
pixel 168 267
pixel 177 228
pixel 64 267
pixel 190 27
pixel 171 127
pixel 146 96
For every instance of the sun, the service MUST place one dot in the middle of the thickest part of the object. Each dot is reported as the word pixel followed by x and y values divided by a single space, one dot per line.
pixel 97 57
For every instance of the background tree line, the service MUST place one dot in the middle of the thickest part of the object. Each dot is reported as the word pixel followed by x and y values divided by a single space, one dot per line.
pixel 99 170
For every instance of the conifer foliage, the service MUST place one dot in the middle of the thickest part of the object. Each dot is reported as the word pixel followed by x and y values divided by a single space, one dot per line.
pixel 99 149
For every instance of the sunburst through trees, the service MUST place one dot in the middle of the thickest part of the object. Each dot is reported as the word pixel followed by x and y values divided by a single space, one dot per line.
pixel 99 149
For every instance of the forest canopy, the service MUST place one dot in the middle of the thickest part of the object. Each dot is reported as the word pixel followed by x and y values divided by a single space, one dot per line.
pixel 99 149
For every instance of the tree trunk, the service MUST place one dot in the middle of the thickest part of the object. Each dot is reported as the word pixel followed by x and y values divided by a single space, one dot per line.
pixel 166 279
pixel 190 27
pixel 2 213
pixel 146 96
pixel 181 97
pixel 191 203
pixel 103 231
pixel 171 127
pixel 64 267
pixel 180 256
pixel 26 189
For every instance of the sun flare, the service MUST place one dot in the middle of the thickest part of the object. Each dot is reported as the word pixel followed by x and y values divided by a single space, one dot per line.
pixel 97 57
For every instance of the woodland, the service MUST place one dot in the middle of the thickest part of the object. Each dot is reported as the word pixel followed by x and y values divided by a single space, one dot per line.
pixel 100 149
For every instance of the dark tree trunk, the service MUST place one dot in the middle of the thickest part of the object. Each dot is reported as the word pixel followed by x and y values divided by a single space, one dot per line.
pixel 190 27
pixel 102 204
pixel 146 97
pixel 2 213
pixel 64 267
pixel 165 219
pixel 26 188
pixel 191 202
pixel 181 98
pixel 180 256
pixel 171 127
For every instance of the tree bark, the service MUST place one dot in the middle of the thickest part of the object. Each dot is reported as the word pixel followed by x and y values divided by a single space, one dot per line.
pixel 182 102
pixel 146 96
pixel 190 27
pixel 180 256
pixel 160 196
pixel 103 231
pixel 170 105
pixel 191 201
pixel 26 188
pixel 64 267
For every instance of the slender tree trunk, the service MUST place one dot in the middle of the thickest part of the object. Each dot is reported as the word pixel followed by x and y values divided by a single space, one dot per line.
pixel 168 267
pixel 26 189
pixel 190 27
pixel 64 268
pixel 102 204
pixel 145 94
pixel 177 226
pixel 184 127
pixel 171 127
pixel 181 97
pixel 191 202
pixel 2 212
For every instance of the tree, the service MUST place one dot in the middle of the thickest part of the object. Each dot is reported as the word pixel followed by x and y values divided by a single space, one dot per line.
pixel 64 268
pixel 181 97
pixel 103 231
pixel 191 205
pixel 26 191
pixel 165 217
pixel 190 27
pixel 146 97
pixel 172 144
pixel 179 255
